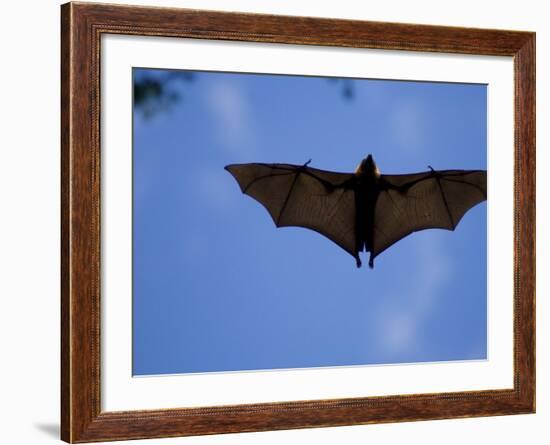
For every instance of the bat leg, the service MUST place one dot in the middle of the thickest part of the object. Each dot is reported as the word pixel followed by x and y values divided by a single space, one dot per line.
pixel 358 261
pixel 371 262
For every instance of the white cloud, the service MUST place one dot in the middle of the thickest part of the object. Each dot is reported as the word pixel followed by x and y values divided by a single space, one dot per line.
pixel 435 271
pixel 407 127
pixel 401 317
pixel 233 118
pixel 400 331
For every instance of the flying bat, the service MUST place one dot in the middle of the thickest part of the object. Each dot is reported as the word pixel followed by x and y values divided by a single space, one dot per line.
pixel 364 210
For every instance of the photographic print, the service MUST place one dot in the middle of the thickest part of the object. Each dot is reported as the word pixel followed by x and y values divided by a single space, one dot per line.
pixel 379 187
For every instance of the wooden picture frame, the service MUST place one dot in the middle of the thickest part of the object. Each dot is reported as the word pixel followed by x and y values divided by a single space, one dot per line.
pixel 82 25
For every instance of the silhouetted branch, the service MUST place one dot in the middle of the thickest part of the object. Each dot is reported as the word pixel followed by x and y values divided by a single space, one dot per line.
pixel 154 91
pixel 347 87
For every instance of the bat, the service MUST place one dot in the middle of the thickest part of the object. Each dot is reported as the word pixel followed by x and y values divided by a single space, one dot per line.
pixel 365 210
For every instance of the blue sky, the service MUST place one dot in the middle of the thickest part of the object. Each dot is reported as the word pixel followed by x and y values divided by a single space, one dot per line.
pixel 216 287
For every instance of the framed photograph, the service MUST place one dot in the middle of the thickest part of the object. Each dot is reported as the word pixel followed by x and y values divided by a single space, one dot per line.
pixel 398 162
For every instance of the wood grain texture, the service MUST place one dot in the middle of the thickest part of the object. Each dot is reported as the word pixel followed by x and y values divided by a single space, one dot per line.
pixel 65 225
pixel 81 29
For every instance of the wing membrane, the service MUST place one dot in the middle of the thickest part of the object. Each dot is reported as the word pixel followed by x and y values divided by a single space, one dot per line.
pixel 428 200
pixel 300 196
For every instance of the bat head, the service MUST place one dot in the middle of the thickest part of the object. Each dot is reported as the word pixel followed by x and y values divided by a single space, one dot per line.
pixel 367 167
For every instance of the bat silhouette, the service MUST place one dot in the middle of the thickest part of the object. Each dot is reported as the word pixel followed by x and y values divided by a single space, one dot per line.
pixel 365 210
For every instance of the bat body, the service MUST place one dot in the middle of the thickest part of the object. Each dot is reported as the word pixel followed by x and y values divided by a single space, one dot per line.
pixel 364 210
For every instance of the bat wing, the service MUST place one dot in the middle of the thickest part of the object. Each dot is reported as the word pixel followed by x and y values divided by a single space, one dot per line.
pixel 428 200
pixel 296 195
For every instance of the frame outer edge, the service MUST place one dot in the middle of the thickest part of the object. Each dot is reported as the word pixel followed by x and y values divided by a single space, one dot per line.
pixel 66 47
pixel 79 229
pixel 526 254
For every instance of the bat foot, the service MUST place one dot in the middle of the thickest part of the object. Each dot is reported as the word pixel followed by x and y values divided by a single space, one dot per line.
pixel 371 263
pixel 358 262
